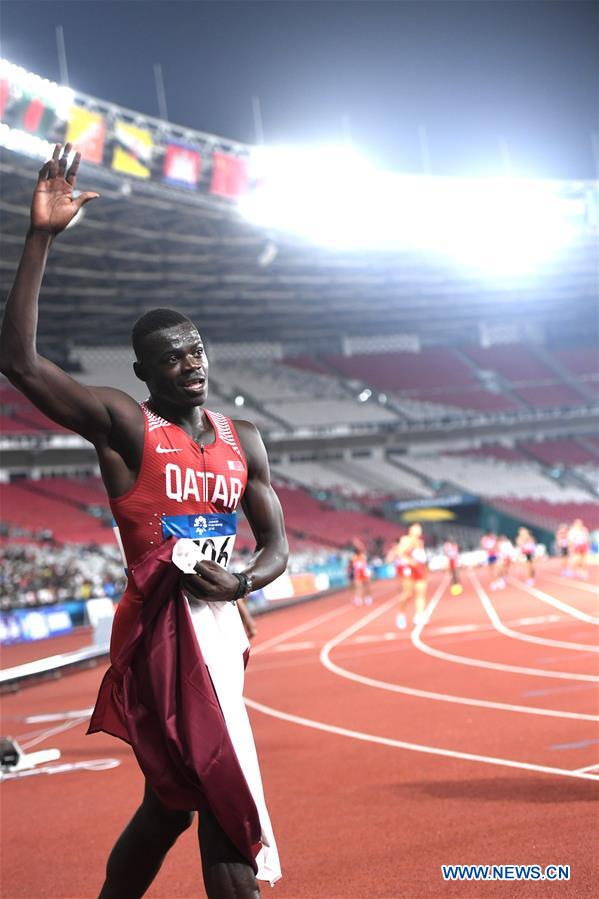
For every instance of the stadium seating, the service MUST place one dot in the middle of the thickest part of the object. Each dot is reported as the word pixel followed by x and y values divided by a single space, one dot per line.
pixel 550 514
pixel 370 478
pixel 580 361
pixel 310 519
pixel 26 507
pixel 549 395
pixel 560 452
pixel 492 478
pixel 514 362
pixel 491 451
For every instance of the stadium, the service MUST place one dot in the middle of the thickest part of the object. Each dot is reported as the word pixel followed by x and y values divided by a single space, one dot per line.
pixel 419 356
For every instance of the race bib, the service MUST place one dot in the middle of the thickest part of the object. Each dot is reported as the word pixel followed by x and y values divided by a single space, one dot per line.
pixel 214 535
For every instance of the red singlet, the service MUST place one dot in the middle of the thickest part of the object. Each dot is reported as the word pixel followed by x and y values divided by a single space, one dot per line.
pixel 182 489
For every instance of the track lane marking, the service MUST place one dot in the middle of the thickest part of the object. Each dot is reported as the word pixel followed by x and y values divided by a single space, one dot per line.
pixel 299 629
pixel 517 635
pixel 294 647
pixel 552 601
pixel 572 582
pixel 415 747
pixel 481 663
pixel 428 694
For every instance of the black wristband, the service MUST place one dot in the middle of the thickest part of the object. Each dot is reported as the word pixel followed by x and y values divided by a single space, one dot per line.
pixel 244 587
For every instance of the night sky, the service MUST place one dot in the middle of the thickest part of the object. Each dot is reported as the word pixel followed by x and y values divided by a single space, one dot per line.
pixel 472 73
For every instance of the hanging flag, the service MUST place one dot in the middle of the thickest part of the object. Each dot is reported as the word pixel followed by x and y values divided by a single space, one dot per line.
pixel 87 132
pixel 229 175
pixel 28 112
pixel 4 95
pixel 133 150
pixel 181 165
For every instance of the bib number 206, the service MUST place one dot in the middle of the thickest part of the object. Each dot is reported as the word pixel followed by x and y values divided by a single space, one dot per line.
pixel 216 549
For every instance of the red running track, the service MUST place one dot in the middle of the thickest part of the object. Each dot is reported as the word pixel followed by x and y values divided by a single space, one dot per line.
pixel 385 753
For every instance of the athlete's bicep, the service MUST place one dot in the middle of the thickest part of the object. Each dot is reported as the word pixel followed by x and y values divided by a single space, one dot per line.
pixel 264 513
pixel 260 503
pixel 85 410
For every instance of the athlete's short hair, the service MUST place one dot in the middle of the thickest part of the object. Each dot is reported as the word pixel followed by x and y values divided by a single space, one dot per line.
pixel 155 320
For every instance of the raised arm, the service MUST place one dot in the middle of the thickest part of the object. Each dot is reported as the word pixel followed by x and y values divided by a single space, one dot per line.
pixel 89 411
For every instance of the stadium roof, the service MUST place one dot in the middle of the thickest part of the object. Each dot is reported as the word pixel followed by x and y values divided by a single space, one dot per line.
pixel 144 245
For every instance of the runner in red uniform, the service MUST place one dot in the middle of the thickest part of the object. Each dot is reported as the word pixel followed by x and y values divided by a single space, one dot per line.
pixel 361 575
pixel 578 543
pixel 170 468
pixel 409 557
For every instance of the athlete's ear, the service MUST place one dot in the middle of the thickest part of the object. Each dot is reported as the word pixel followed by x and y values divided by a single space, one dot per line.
pixel 140 372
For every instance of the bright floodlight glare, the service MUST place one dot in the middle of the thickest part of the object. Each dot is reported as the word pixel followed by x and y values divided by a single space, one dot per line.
pixel 365 395
pixel 239 400
pixel 56 95
pixel 334 197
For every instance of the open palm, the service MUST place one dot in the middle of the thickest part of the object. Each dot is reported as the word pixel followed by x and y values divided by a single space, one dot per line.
pixel 53 205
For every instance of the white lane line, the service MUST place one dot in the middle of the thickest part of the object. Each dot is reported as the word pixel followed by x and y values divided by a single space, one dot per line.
pixel 58 716
pixel 518 635
pixel 428 694
pixel 415 747
pixel 293 647
pixel 481 663
pixel 292 632
pixel 557 603
pixel 53 731
pixel 588 768
pixel 375 638
pixel 572 582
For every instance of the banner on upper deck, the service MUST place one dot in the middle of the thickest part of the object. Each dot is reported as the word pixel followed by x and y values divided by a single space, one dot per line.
pixel 133 149
pixel 87 132
pixel 182 165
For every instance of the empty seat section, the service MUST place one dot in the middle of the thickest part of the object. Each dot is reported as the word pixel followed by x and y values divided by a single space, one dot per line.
pixel 550 395
pixel 515 362
pixel 23 506
pixel 397 372
pixel 560 452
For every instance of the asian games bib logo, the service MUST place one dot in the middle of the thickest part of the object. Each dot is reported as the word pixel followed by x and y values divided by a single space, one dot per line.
pixel 200 524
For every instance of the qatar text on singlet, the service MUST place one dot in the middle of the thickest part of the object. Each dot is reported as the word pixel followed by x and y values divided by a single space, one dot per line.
pixel 184 490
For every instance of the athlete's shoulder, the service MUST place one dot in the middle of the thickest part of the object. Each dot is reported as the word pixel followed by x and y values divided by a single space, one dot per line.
pixel 252 445
pixel 242 426
pixel 113 397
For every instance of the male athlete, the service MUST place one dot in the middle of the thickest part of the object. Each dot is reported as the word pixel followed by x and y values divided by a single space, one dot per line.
pixel 451 550
pixel 360 574
pixel 409 557
pixel 170 469
pixel 578 544
pixel 527 545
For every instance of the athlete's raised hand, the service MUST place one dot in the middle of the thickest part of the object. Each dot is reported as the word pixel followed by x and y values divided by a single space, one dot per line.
pixel 53 205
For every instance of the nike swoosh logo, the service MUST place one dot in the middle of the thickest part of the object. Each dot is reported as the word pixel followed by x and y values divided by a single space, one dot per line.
pixel 166 449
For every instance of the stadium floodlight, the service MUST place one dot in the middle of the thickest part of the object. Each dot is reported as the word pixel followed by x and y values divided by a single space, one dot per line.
pixel 333 197
pixel 26 88
pixel 501 227
pixel 22 142
pixel 365 395
pixel 321 194
pixel 60 98
pixel 239 400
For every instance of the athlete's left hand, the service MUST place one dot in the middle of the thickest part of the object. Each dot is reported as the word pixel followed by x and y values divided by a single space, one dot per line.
pixel 212 583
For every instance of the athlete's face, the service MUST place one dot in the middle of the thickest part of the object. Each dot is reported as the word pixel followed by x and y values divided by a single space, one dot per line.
pixel 174 365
